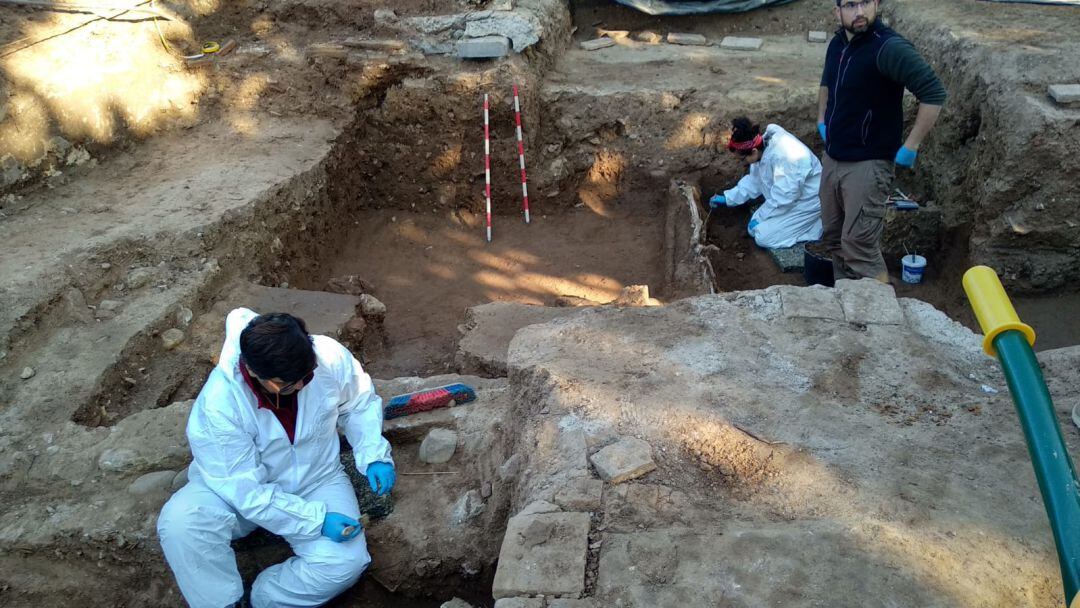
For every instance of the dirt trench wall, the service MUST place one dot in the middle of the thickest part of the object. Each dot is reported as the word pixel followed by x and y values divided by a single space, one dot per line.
pixel 1003 157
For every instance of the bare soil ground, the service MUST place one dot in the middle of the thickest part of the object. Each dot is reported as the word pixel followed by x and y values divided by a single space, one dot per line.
pixel 428 269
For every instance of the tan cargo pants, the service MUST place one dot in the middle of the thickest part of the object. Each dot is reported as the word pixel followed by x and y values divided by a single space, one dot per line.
pixel 853 197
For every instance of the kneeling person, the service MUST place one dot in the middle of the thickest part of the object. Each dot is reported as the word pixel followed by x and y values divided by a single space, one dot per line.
pixel 786 173
pixel 264 436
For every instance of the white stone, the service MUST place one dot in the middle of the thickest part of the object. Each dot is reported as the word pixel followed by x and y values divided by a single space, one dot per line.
pixel 1065 93
pixel 152 483
pixel 735 43
pixel 439 446
pixel 869 302
pixel 184 316
pixel 814 36
pixel 456 603
pixel 687 39
pixel 27 373
pixel 370 306
pixel 627 459
pixel 172 338
pixel 520 602
pixel 140 277
pixel 470 505
pixel 597 43
pixel 385 16
pixel 810 303
pixel 487 47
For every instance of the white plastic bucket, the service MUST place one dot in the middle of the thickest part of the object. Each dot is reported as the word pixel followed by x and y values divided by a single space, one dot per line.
pixel 914 266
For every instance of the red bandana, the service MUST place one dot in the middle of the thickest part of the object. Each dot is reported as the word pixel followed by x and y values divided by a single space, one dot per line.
pixel 745 146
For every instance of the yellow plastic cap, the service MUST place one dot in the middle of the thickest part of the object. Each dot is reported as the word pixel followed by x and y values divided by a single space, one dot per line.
pixel 992 307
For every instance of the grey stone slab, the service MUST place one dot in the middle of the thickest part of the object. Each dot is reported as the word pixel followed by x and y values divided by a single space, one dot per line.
pixel 489 328
pixel 810 303
pixel 543 555
pixel 687 39
pixel 581 494
pixel 814 36
pixel 539 506
pixel 486 47
pixel 1065 93
pixel 566 603
pixel 735 43
pixel 597 43
pixel 626 459
pixel 439 446
pixel 789 259
pixel 869 302
pixel 520 602
pixel 323 313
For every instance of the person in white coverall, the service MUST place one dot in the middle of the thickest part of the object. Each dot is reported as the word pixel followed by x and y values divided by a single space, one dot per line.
pixel 264 436
pixel 787 174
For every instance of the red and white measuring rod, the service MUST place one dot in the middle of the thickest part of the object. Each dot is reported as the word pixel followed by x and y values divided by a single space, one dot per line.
pixel 487 166
pixel 521 155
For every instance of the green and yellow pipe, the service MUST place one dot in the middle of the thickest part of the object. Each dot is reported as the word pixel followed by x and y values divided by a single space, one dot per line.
pixel 1011 341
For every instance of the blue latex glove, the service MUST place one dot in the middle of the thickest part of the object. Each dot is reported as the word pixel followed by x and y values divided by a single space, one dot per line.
pixel 905 157
pixel 718 200
pixel 335 524
pixel 821 131
pixel 381 477
pixel 753 224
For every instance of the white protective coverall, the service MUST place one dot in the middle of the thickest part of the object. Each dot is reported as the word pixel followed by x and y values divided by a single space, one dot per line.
pixel 788 175
pixel 247 474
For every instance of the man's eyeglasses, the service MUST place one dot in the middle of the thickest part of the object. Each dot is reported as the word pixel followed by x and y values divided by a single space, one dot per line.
pixel 854 7
pixel 288 388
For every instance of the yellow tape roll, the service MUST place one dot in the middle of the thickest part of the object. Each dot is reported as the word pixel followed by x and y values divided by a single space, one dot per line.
pixel 992 307
pixel 210 47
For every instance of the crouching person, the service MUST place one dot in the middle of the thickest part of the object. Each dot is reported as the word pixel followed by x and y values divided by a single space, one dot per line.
pixel 784 171
pixel 264 436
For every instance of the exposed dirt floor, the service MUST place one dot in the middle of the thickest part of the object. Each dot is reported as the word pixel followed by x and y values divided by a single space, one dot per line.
pixel 845 447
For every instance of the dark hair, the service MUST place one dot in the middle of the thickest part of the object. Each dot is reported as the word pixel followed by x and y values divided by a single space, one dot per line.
pixel 742 129
pixel 277 345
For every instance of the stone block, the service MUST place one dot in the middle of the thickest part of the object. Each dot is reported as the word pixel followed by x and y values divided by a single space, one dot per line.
pixel 567 603
pixel 439 446
pixel 735 43
pixel 520 602
pixel 687 39
pixel 486 47
pixel 323 313
pixel 869 302
pixel 581 494
pixel 648 37
pixel 152 483
pixel 1064 93
pixel 810 303
pixel 813 36
pixel 457 602
pixel 468 507
pixel 490 328
pixel 554 562
pixel 789 259
pixel 370 306
pixel 597 43
pixel 172 338
pixel 627 459
pixel 539 506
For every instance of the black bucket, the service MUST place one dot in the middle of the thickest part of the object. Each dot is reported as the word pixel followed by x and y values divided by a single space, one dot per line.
pixel 817 269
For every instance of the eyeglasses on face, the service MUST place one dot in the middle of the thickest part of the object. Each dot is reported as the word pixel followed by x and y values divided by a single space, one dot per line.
pixel 854 7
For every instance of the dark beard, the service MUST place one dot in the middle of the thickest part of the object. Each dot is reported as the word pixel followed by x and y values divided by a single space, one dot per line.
pixel 854 32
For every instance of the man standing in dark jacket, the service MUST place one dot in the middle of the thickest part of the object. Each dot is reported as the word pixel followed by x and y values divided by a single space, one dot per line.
pixel 861 119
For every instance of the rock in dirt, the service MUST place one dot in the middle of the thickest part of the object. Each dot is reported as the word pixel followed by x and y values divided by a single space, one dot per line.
pixel 627 459
pixel 539 506
pixel 179 480
pixel 486 47
pixel 468 506
pixel 27 373
pixel 456 603
pixel 510 469
pixel 172 338
pixel 581 494
pixel 152 483
pixel 597 44
pixel 350 284
pixel 869 302
pixel 184 316
pixel 537 533
pixel 106 309
pixel 370 306
pixel 816 36
pixel 141 277
pixel 648 37
pixel 556 567
pixel 74 305
pixel 520 602
pixel 687 39
pixel 1065 93
pixel 735 43
pixel 439 446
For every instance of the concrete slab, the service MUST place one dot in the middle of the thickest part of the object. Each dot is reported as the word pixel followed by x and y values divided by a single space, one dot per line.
pixel 627 459
pixel 687 39
pixel 323 313
pixel 596 44
pixel 543 555
pixel 815 302
pixel 1064 93
pixel 489 329
pixel 735 43
pixel 485 47
pixel 869 302
pixel 813 36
